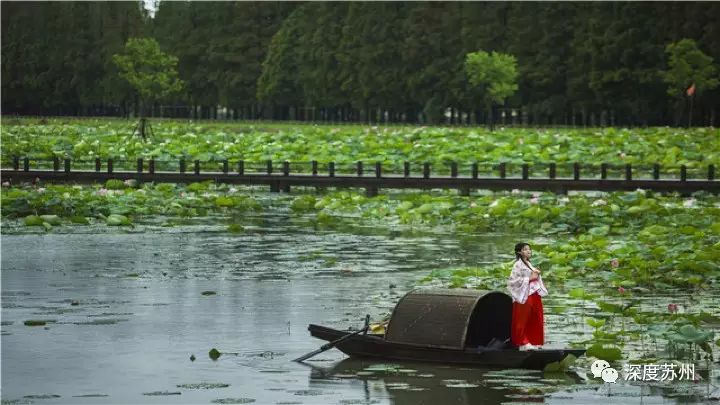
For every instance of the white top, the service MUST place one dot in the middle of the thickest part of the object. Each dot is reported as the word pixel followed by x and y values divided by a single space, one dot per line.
pixel 519 284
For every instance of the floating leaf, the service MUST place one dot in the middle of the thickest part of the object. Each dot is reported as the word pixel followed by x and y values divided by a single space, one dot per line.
pixel 117 220
pixel 608 353
pixel 33 220
pixel 35 322
pixel 236 228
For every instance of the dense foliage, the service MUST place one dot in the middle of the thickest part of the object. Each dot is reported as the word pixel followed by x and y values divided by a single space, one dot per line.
pixel 300 144
pixel 578 63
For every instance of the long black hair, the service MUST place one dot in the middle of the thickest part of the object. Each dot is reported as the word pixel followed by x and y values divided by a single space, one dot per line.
pixel 518 248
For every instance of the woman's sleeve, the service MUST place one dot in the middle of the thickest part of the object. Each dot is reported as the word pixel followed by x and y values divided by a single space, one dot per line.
pixel 542 291
pixel 518 284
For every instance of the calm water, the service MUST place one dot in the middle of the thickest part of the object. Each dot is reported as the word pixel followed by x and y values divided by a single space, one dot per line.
pixel 125 312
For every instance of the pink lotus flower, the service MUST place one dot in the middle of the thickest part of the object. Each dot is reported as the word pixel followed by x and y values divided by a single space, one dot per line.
pixel 102 192
pixel 689 203
pixel 515 191
pixel 536 194
pixel 473 205
pixel 534 200
pixel 672 308
pixel 622 155
pixel 615 263
pixel 621 290
pixel 41 190
pixel 6 184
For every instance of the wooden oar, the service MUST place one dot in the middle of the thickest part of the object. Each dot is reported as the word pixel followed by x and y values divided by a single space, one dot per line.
pixel 332 344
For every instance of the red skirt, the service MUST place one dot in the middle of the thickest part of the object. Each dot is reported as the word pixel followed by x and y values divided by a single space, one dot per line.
pixel 527 322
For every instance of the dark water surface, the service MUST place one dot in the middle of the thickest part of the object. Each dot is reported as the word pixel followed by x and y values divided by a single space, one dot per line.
pixel 124 313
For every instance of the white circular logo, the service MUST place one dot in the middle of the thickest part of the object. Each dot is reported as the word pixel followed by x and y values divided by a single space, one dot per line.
pixel 598 366
pixel 609 375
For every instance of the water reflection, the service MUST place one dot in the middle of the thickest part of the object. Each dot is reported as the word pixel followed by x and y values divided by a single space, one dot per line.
pixel 406 383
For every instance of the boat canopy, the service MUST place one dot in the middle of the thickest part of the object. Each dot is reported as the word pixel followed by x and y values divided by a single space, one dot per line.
pixel 450 318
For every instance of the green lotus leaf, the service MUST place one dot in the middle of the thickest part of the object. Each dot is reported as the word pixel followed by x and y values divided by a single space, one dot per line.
pixel 51 219
pixel 33 220
pixel 425 208
pixel 117 220
pixel 79 219
pixel 595 323
pixel 578 293
pixel 599 230
pixel 610 307
pixel 222 201
pixel 607 353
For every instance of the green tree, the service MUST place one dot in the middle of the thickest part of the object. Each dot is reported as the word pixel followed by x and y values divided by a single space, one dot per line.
pixel 152 73
pixel 494 75
pixel 688 66
pixel 433 57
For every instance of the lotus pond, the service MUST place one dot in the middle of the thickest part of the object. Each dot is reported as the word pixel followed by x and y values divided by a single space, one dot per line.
pixel 131 285
pixel 119 292
pixel 85 140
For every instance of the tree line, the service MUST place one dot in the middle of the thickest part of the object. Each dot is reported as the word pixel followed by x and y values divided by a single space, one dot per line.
pixel 588 63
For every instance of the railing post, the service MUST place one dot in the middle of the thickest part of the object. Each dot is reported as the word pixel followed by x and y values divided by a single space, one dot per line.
pixel 241 167
pixel 140 165
pixel 474 170
pixel 553 171
pixel 711 172
pixel 151 165
pixel 683 173
pixel 502 170
pixel 182 165
pixel 67 165
pixel 656 171
pixel 406 169
pixel 26 164
pixel 197 167
pixel 453 169
pixel 98 164
pixel 314 168
pixel 269 166
pixel 603 171
pixel 226 166
pixel 628 172
pixel 359 168
pixel 378 169
pixel 331 169
pixel 525 170
pixel 576 171
pixel 286 172
pixel 56 164
pixel 426 170
pixel 110 166
pixel 16 163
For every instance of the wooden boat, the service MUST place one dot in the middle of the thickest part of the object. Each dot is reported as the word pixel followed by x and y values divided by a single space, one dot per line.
pixel 451 326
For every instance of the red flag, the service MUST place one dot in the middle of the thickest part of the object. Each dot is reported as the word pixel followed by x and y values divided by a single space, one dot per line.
pixel 691 90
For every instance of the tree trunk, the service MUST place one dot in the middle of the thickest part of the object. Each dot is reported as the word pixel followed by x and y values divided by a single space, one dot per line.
pixel 491 124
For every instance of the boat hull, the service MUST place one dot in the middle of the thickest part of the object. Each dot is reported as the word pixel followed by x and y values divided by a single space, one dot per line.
pixel 375 346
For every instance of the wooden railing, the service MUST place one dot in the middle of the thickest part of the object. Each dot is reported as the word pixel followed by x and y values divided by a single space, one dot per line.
pixel 371 178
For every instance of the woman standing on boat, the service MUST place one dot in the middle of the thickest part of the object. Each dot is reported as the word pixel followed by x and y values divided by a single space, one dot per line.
pixel 527 330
